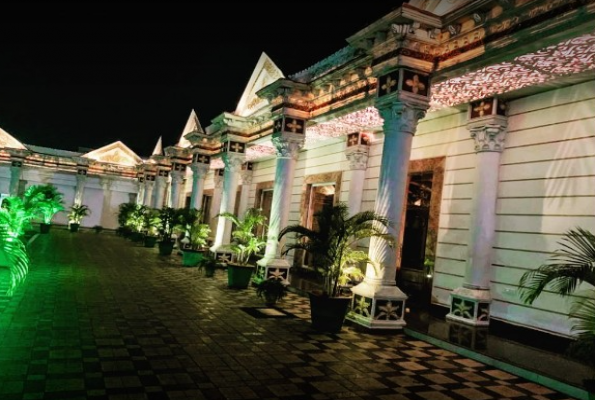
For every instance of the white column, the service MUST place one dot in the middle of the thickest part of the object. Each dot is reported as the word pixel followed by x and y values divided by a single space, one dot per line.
pixel 287 147
pixel 81 179
pixel 149 189
pixel 199 173
pixel 177 178
pixel 245 191
pixel 140 196
pixel 106 208
pixel 470 303
pixel 160 186
pixel 231 177
pixel 15 177
pixel 357 155
pixel 216 200
pixel 378 302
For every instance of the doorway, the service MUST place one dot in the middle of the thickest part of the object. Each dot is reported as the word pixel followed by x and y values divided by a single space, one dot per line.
pixel 417 255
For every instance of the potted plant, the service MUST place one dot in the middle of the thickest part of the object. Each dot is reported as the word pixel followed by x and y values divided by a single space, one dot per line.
pixel 124 211
pixel 196 238
pixel 566 269
pixel 76 215
pixel 137 219
pixel 208 264
pixel 46 201
pixel 167 216
pixel 245 244
pixel 332 247
pixel 152 223
pixel 271 290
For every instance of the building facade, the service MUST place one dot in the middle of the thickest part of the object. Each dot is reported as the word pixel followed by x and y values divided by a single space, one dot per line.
pixel 470 124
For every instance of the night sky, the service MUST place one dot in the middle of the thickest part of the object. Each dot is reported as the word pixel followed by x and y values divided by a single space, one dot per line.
pixel 86 75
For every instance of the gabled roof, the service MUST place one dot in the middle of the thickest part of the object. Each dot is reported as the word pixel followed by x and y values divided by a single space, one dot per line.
pixel 53 152
pixel 115 153
pixel 193 125
pixel 265 73
pixel 7 140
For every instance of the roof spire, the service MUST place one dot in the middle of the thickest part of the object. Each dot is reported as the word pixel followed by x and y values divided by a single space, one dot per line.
pixel 158 151
pixel 193 125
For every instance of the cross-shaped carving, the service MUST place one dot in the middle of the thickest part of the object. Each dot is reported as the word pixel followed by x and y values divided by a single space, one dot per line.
pixel 390 82
pixel 353 140
pixel 278 125
pixel 415 84
pixel 224 258
pixel 482 108
pixel 236 147
pixel 294 126
pixel 203 159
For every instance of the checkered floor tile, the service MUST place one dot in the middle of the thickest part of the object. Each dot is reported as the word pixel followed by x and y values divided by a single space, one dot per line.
pixel 102 318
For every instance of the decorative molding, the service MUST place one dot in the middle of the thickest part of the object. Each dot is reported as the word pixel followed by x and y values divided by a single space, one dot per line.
pixel 326 65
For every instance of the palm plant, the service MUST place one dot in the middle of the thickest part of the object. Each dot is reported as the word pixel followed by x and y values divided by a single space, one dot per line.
pixel 566 269
pixel 14 218
pixel 332 245
pixel 198 235
pixel 151 221
pixel 77 213
pixel 245 241
pixel 45 200
pixel 136 218
pixel 168 217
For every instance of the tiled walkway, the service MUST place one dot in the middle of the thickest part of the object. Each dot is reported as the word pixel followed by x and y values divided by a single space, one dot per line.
pixel 102 318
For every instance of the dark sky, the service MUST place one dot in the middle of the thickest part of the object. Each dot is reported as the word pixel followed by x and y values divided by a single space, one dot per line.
pixel 90 74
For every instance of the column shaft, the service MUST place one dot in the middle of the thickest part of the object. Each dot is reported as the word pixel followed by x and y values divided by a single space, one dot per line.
pixel 199 173
pixel 231 179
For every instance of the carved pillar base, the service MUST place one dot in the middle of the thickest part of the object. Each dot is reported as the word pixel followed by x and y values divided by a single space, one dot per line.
pixel 471 337
pixel 378 306
pixel 223 254
pixel 470 306
pixel 271 268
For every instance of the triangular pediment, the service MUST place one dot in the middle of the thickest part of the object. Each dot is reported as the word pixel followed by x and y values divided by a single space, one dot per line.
pixel 115 153
pixel 265 73
pixel 7 140
pixel 193 125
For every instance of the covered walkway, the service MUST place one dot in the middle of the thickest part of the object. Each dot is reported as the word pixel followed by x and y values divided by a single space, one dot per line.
pixel 102 318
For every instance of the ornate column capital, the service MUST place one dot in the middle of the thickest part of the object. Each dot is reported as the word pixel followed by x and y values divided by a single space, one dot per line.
pixel 177 176
pixel 106 183
pixel 401 116
pixel 233 162
pixel 287 146
pixel 357 157
pixel 199 169
pixel 246 177
pixel 489 133
pixel 217 179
